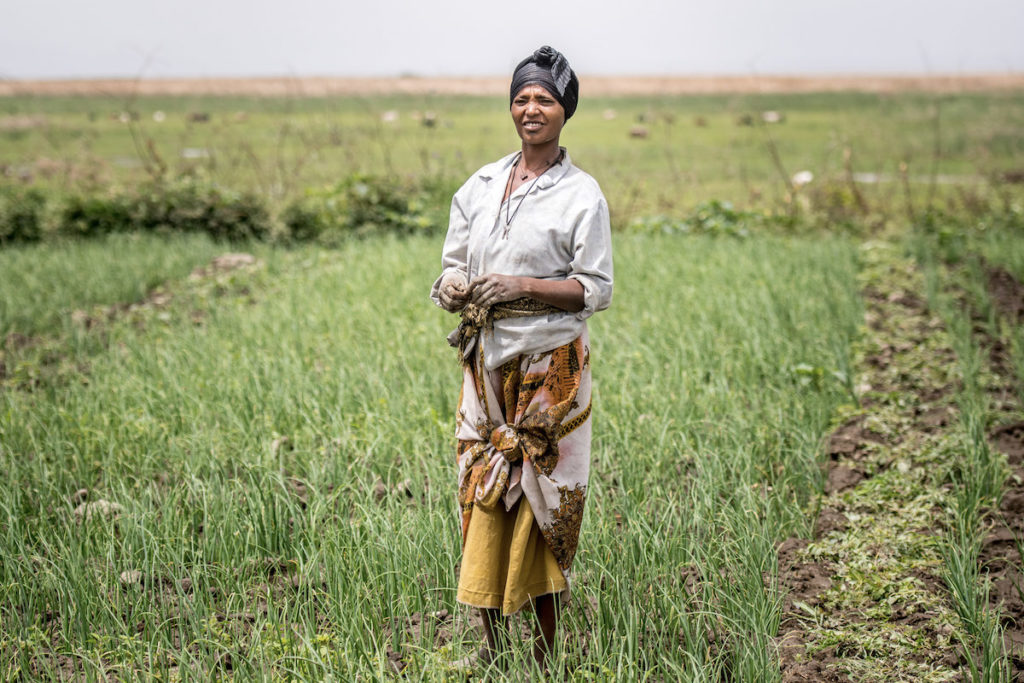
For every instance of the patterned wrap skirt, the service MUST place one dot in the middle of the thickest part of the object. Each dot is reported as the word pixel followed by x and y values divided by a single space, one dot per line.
pixel 523 430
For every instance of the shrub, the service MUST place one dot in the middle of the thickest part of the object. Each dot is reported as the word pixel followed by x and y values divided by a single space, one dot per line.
pixel 709 218
pixel 304 220
pixel 379 204
pixel 192 207
pixel 953 235
pixel 837 204
pixel 357 206
pixel 168 207
pixel 21 214
pixel 95 215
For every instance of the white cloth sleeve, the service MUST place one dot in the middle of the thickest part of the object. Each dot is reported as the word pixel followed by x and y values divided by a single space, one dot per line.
pixel 456 246
pixel 591 263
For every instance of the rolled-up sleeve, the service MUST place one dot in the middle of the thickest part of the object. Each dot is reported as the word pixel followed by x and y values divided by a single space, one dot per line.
pixel 591 263
pixel 456 245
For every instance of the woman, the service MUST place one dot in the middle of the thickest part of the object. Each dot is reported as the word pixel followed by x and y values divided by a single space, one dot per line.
pixel 526 261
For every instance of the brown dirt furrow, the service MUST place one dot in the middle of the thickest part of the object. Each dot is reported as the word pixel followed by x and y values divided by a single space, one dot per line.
pixel 1007 294
pixel 864 599
pixel 1002 552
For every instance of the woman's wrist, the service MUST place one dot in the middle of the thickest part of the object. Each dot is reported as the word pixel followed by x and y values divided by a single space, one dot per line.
pixel 527 286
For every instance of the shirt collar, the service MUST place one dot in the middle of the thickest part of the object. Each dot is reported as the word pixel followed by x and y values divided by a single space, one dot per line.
pixel 502 167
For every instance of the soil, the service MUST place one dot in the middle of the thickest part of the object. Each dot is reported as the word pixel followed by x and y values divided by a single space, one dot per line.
pixel 412 627
pixel 498 85
pixel 850 439
pixel 842 477
pixel 1009 439
pixel 804 582
pixel 847 447
pixel 1000 554
pixel 1006 293
pixel 854 452
pixel 935 417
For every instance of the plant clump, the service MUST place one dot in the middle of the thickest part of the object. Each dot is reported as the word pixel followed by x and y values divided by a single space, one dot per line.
pixel 359 205
pixel 22 214
pixel 713 217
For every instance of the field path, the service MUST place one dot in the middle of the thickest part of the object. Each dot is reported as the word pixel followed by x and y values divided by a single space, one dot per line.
pixel 866 598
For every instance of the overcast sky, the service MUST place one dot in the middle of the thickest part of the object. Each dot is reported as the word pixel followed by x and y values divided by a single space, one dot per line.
pixel 159 38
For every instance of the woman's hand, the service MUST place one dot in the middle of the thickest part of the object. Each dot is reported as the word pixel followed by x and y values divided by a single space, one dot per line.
pixel 487 290
pixel 490 289
pixel 453 293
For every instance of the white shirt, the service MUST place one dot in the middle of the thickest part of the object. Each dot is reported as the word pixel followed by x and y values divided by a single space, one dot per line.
pixel 559 230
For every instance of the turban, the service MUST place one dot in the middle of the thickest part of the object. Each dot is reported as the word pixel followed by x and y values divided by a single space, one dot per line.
pixel 549 69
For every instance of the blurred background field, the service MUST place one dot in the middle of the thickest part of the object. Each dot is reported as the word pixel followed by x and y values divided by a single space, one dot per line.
pixel 654 155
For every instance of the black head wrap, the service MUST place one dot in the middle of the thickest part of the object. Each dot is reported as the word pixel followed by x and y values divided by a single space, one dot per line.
pixel 549 69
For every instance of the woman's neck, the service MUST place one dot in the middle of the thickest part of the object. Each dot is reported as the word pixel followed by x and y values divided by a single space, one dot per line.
pixel 537 157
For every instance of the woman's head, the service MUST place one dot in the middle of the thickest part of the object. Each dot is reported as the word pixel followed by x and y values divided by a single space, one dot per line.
pixel 549 69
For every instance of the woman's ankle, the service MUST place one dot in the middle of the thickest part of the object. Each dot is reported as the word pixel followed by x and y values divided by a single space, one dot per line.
pixel 493 626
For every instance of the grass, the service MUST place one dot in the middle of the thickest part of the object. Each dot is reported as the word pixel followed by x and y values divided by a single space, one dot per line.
pixel 981 476
pixel 955 147
pixel 46 283
pixel 706 454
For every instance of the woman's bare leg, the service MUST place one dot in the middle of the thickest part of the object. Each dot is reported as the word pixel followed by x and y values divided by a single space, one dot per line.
pixel 494 633
pixel 544 634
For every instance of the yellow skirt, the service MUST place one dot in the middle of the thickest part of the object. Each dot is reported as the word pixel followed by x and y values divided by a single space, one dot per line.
pixel 505 561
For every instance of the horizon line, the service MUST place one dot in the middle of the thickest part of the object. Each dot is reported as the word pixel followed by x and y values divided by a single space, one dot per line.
pixel 596 84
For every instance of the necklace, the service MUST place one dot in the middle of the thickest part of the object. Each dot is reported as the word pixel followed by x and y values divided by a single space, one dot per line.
pixel 508 190
pixel 526 171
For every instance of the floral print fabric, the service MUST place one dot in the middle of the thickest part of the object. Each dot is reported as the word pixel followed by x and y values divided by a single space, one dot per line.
pixel 524 429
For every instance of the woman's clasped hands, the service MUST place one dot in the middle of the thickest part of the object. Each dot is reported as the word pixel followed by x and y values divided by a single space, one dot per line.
pixel 483 290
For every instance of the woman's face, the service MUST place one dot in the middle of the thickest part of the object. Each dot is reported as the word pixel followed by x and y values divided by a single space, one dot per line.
pixel 538 115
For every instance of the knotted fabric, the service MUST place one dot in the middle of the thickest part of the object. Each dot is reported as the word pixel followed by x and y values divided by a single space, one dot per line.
pixel 549 69
pixel 476 319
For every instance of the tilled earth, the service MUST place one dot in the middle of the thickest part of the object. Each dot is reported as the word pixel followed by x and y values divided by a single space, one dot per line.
pixel 865 597
pixel 1002 555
